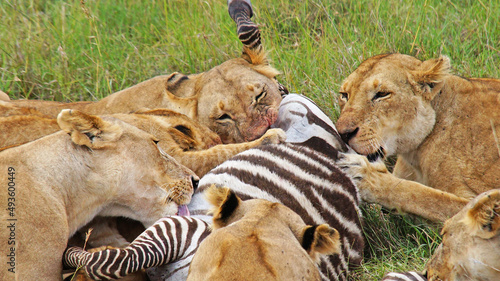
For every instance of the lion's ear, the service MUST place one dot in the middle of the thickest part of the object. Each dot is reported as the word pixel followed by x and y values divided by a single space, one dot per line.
pixel 320 240
pixel 89 130
pixel 483 215
pixel 180 85
pixel 428 78
pixel 225 203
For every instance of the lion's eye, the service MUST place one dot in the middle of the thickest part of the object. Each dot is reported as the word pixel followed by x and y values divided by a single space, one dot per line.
pixel 186 131
pixel 344 96
pixel 260 96
pixel 380 95
pixel 224 117
pixel 156 142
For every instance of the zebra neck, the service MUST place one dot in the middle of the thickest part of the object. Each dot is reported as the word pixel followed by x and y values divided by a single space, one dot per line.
pixel 300 133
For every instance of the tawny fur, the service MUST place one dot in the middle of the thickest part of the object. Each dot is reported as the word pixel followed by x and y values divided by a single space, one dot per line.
pixel 95 166
pixel 470 249
pixel 20 129
pixel 7 108
pixel 4 96
pixel 441 127
pixel 259 240
pixel 190 143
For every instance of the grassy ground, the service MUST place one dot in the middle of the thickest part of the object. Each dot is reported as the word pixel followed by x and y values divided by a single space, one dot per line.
pixel 85 50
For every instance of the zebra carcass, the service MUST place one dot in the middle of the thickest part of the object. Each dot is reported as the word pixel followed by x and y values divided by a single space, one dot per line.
pixel 300 174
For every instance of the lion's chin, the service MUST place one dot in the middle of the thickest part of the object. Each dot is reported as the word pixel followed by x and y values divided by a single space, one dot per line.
pixel 379 154
pixel 371 152
pixel 261 125
pixel 258 133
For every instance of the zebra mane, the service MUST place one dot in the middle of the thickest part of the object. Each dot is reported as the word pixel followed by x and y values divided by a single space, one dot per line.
pixel 302 120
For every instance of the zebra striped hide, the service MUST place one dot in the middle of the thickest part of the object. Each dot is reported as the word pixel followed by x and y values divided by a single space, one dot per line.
pixel 301 175
pixel 171 240
pixel 405 276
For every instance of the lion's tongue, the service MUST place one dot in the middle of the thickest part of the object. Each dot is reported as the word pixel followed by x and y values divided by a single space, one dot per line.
pixel 183 210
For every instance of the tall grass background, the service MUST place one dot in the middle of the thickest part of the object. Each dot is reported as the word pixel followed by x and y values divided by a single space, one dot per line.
pixel 86 50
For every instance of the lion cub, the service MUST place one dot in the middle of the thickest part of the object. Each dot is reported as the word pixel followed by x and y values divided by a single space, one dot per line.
pixel 259 240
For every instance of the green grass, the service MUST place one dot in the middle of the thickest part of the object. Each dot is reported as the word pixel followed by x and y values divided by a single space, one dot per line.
pixel 85 50
pixel 395 243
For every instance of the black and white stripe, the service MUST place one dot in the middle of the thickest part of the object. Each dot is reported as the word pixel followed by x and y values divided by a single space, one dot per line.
pixel 248 32
pixel 405 276
pixel 301 175
pixel 172 240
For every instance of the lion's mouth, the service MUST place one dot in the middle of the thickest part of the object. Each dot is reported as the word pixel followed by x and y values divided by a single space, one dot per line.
pixel 380 153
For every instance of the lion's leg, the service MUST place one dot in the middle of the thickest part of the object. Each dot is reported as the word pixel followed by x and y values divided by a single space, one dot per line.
pixel 377 185
pixel 403 170
pixel 204 160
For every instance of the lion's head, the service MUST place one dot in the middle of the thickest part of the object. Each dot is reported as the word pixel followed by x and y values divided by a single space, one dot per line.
pixel 239 98
pixel 146 182
pixel 259 240
pixel 163 123
pixel 386 103
pixel 470 249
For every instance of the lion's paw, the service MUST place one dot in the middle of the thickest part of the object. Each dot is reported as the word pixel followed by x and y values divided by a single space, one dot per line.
pixel 367 176
pixel 354 165
pixel 273 136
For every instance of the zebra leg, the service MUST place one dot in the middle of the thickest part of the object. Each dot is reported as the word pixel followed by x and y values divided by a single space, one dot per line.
pixel 168 240
pixel 81 275
pixel 405 276
pixel 248 32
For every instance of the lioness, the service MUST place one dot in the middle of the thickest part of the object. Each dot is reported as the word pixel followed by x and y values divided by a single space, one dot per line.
pixel 190 143
pixel 470 246
pixel 470 249
pixel 237 99
pixel 443 128
pixel 259 240
pixel 57 184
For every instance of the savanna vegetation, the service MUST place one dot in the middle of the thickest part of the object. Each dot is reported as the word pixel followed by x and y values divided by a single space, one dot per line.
pixel 85 50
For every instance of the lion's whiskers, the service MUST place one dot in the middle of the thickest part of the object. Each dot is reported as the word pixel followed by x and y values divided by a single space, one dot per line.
pixel 484 264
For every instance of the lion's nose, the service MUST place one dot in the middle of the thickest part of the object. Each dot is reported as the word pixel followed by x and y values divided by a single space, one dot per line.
pixel 195 180
pixel 348 134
